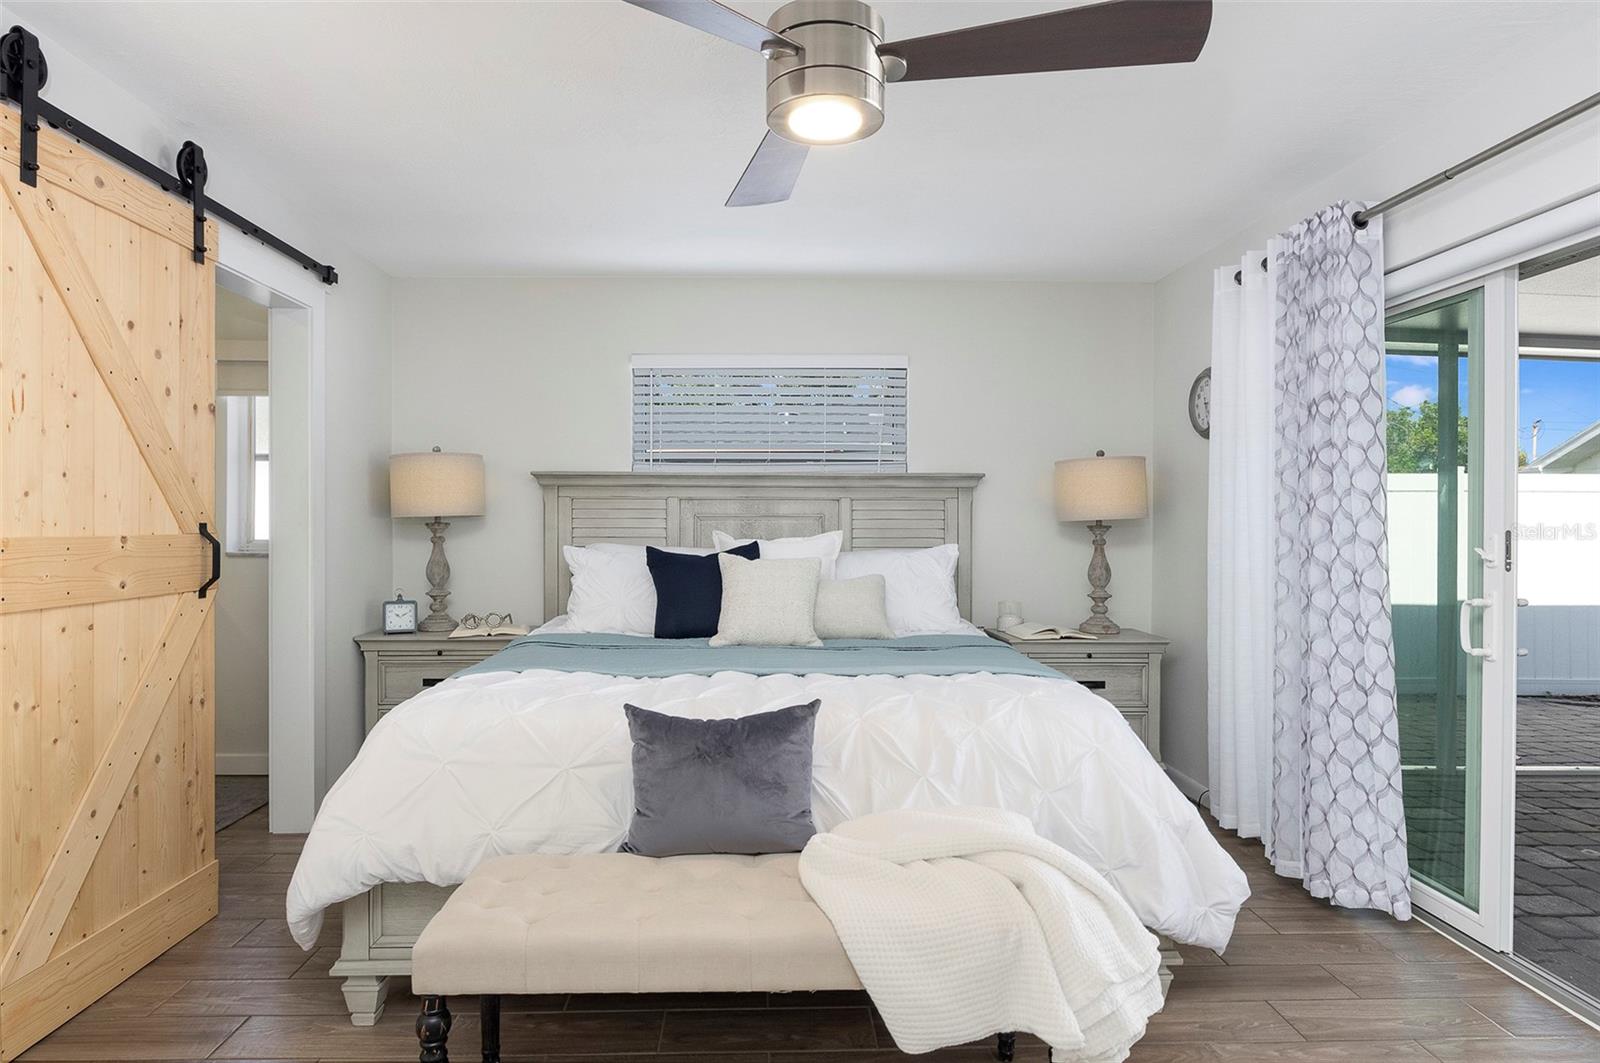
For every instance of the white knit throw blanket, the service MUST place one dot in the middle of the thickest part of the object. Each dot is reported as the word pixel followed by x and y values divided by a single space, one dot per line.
pixel 963 923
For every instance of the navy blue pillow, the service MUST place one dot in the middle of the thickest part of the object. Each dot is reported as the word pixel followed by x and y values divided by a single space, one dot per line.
pixel 689 590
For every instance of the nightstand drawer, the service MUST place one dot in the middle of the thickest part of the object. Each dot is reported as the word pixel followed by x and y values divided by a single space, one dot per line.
pixel 402 666
pixel 399 680
pixel 1140 722
pixel 1124 683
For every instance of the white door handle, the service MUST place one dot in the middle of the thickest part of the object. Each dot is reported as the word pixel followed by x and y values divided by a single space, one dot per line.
pixel 1465 616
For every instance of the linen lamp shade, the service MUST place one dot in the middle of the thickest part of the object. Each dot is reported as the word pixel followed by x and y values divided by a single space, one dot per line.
pixel 1103 489
pixel 436 484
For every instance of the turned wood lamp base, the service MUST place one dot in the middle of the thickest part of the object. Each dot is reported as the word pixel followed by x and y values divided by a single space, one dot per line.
pixel 438 573
pixel 1099 621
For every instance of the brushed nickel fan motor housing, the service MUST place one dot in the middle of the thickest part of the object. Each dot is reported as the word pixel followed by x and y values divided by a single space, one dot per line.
pixel 839 42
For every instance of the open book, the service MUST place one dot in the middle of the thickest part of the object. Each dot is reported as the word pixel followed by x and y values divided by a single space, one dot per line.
pixel 485 631
pixel 1040 633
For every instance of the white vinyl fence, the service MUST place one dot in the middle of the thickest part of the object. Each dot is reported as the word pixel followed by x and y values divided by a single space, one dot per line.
pixel 1558 572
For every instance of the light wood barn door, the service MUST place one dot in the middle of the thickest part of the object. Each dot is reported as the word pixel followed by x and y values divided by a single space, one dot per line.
pixel 108 381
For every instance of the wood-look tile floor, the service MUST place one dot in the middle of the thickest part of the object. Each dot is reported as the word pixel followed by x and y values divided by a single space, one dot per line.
pixel 1300 983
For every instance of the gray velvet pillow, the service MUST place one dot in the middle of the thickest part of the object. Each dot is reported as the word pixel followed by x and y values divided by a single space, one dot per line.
pixel 721 786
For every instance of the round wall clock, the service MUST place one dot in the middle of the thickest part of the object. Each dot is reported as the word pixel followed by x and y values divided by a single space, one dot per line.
pixel 1200 403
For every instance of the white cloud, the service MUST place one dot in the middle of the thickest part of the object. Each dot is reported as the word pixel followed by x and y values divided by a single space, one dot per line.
pixel 1427 361
pixel 1411 395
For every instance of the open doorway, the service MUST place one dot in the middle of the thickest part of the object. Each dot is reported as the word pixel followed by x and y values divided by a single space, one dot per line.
pixel 243 509
pixel 292 448
pixel 1556 925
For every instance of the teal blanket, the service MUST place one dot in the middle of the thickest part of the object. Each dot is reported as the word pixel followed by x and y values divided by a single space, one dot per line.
pixel 648 658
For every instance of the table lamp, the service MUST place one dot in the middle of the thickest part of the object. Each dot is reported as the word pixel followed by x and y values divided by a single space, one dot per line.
pixel 436 485
pixel 1096 490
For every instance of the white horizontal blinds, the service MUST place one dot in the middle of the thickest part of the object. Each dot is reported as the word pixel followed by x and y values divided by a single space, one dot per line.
pixel 838 414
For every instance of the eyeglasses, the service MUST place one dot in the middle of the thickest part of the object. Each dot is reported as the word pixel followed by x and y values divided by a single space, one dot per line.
pixel 473 620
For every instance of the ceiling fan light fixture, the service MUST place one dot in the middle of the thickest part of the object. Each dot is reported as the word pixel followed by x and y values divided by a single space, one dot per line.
pixel 826 120
pixel 829 91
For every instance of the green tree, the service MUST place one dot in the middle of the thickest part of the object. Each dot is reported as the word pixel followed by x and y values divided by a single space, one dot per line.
pixel 1414 437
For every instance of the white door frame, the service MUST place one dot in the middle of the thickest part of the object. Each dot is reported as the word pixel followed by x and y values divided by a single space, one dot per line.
pixel 296 566
pixel 1492 261
pixel 1490 924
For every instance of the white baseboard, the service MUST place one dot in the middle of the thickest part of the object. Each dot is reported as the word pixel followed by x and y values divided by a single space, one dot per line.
pixel 241 763
pixel 1190 788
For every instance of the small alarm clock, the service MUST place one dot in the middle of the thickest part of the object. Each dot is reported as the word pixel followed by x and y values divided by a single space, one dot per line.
pixel 399 616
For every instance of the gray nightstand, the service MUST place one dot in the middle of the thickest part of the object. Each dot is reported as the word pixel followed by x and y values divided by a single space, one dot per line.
pixel 399 666
pixel 1125 669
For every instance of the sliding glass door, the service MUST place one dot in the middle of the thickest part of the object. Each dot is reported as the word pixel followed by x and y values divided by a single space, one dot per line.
pixel 1448 399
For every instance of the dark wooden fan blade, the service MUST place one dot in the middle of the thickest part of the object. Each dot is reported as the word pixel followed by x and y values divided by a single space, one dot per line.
pixel 715 19
pixel 1119 33
pixel 771 174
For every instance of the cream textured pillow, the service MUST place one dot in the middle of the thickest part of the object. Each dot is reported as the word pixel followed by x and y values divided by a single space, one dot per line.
pixel 768 603
pixel 852 609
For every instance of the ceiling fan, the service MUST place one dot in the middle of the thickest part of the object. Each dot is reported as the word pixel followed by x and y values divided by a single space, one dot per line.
pixel 827 63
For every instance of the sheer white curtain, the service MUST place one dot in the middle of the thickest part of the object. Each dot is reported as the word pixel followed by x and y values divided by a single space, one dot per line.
pixel 1240 572
pixel 1304 735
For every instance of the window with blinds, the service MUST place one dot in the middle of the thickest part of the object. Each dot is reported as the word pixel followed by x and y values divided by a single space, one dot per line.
pixel 847 414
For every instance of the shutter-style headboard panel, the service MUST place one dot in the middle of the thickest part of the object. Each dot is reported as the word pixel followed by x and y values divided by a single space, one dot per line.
pixel 683 509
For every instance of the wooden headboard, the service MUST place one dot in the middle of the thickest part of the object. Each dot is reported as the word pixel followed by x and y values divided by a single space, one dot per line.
pixel 682 509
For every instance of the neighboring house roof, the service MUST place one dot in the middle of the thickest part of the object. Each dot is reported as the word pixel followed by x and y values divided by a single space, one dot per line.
pixel 1576 449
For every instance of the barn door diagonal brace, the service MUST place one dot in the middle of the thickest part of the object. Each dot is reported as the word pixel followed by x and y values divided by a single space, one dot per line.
pixel 25 74
pixel 20 83
pixel 216 559
pixel 192 172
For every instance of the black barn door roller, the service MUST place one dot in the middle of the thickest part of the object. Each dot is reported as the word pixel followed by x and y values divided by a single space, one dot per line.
pixel 23 72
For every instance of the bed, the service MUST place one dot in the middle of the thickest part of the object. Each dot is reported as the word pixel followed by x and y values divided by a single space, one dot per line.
pixel 527 753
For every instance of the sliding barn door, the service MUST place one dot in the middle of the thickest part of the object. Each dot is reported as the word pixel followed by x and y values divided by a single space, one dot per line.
pixel 107 380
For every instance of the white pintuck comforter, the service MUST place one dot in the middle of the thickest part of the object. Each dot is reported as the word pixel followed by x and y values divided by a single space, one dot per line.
pixel 539 761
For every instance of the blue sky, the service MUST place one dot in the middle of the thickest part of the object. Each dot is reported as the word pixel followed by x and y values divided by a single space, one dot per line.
pixel 1565 395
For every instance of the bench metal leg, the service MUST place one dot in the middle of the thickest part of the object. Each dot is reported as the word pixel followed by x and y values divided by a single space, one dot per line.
pixel 489 1016
pixel 433 1030
pixel 1005 1050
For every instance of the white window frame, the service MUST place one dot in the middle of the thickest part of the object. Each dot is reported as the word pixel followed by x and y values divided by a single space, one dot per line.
pixel 241 475
pixel 678 362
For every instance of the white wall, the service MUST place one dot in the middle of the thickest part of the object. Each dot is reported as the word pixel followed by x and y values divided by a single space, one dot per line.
pixel 1004 379
pixel 1549 171
pixel 241 640
pixel 357 384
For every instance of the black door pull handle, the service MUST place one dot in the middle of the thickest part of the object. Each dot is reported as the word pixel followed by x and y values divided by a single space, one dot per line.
pixel 216 559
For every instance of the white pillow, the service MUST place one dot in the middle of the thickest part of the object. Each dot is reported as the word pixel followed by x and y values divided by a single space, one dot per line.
pixel 853 609
pixel 612 591
pixel 920 587
pixel 824 547
pixel 767 603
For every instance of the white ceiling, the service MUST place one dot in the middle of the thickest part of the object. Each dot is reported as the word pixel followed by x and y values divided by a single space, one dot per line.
pixel 592 137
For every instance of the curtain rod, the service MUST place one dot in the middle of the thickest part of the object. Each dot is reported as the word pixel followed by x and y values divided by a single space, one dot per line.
pixel 1361 217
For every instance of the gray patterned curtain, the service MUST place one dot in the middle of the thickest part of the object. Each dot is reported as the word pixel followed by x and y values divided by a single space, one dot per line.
pixel 1338 818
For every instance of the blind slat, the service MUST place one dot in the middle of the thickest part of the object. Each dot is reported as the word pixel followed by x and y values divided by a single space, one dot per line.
pixel 849 417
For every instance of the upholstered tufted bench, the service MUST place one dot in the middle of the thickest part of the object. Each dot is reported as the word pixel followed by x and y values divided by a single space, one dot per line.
pixel 616 923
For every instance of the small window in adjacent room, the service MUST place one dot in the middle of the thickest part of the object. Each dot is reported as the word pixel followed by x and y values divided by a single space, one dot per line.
pixel 842 413
pixel 248 473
